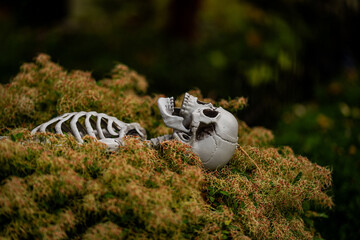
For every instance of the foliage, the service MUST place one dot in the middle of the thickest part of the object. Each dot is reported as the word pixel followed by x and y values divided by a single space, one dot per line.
pixel 238 40
pixel 328 131
pixel 271 52
pixel 53 187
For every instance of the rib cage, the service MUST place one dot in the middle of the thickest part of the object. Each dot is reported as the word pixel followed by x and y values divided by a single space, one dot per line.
pixel 98 125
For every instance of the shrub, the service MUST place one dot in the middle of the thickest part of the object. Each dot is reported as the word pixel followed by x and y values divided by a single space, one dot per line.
pixel 56 188
pixel 329 133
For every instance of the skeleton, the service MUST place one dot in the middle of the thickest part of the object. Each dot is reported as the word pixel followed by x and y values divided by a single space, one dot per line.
pixel 210 131
pixel 104 128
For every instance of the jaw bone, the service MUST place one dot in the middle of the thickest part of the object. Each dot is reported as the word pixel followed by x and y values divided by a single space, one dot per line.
pixel 168 113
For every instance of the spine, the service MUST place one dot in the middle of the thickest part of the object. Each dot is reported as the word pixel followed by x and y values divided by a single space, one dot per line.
pixel 155 142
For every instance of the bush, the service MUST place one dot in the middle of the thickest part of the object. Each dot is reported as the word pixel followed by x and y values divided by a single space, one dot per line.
pixel 59 189
pixel 329 133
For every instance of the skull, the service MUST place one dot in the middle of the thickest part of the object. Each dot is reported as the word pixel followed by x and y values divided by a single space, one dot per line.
pixel 211 132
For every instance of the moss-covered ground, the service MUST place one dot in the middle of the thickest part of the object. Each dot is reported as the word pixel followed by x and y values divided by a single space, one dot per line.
pixel 58 189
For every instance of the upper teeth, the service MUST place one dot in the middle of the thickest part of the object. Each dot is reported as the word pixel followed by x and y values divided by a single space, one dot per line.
pixel 166 107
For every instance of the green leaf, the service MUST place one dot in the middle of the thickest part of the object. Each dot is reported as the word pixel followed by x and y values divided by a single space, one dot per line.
pixel 15 137
pixel 322 215
pixel 212 191
pixel 224 193
pixel 108 195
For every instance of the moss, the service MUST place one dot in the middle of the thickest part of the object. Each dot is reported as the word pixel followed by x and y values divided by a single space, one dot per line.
pixel 59 189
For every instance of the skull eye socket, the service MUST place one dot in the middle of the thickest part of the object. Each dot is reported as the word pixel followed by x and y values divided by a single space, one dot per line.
pixel 210 113
pixel 204 131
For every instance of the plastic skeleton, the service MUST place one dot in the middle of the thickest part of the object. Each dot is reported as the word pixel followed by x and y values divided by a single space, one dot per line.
pixel 104 128
pixel 211 132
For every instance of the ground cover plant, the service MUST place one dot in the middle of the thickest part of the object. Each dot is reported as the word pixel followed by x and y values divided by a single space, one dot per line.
pixel 54 188
pixel 327 131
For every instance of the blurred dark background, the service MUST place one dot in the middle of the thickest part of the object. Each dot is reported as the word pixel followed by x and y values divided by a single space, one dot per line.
pixel 297 62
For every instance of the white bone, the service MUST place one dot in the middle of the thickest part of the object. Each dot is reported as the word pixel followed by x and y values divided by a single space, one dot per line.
pixel 110 128
pixel 98 126
pixel 88 126
pixel 166 107
pixel 43 127
pixel 65 118
pixel 155 142
pixel 74 128
pixel 113 139
pixel 213 131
